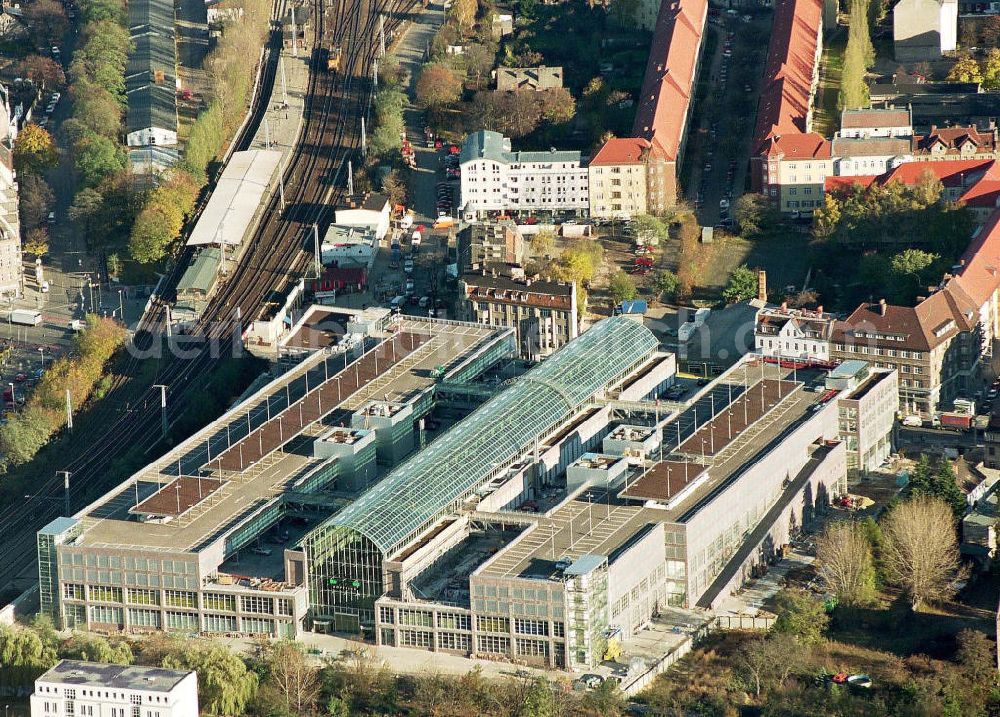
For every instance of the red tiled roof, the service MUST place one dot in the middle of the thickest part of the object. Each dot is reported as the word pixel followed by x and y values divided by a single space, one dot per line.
pixel 920 328
pixel 952 173
pixel 980 272
pixel 668 85
pixel 986 191
pixel 954 137
pixel 834 184
pixel 788 74
pixel 621 150
pixel 797 146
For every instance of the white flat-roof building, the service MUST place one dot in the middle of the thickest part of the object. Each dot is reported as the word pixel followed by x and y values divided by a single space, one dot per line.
pixel 347 246
pixel 369 211
pixel 494 178
pixel 91 689
pixel 867 414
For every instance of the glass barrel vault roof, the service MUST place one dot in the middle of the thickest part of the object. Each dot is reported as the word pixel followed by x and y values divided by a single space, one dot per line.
pixel 418 490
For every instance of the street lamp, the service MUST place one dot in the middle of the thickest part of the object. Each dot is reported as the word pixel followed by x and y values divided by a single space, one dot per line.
pixel 121 304
pixel 41 354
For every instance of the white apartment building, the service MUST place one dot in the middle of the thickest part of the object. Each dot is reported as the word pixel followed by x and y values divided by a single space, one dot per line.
pixel 867 414
pixel 89 689
pixel 868 156
pixel 793 333
pixel 876 122
pixel 496 179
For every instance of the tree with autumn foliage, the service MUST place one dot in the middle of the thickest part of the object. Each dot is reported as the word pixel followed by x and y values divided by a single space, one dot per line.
pixel 438 86
pixel 34 150
pixel 45 72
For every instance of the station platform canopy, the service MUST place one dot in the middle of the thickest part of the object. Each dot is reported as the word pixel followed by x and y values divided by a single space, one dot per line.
pixel 237 198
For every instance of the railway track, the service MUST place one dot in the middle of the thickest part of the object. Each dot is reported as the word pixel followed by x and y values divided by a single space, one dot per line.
pixel 276 255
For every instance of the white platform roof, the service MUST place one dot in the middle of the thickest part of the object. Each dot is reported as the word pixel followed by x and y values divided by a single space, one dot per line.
pixel 236 198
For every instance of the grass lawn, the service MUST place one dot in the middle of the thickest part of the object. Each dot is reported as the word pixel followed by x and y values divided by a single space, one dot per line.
pixel 826 116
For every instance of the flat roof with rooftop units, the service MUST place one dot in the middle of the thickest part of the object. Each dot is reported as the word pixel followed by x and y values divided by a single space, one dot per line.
pixel 259 449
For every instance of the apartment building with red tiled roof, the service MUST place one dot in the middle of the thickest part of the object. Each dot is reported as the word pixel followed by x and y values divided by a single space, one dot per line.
pixel 630 176
pixel 934 346
pixel 948 143
pixel 664 106
pixel 783 133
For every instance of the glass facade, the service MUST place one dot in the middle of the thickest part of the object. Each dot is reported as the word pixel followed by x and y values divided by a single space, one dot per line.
pixel 345 577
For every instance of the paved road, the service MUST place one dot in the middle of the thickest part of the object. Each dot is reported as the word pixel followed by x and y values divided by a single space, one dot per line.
pixel 411 51
pixel 720 141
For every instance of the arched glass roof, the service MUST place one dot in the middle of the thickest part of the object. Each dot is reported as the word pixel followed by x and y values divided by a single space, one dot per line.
pixel 419 490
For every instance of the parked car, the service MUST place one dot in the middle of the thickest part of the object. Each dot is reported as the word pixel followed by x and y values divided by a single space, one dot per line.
pixel 408 266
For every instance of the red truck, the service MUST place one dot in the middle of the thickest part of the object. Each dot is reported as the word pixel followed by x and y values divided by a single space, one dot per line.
pixel 958 421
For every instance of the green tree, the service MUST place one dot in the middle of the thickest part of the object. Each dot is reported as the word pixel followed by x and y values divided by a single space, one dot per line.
pixel 966 69
pixel 94 648
pixel 225 686
pixel 97 158
pixel 21 438
pixel 99 111
pixel 991 70
pixel 826 218
pixel 753 213
pixel 438 86
pixel 34 150
pixel 622 287
pixel 742 285
pixel 649 229
pixel 111 10
pixel 910 270
pixel 665 283
pixel 86 209
pixel 114 265
pixel 800 615
pixel 539 700
pixel 154 230
pixel 543 243
pixel 937 480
